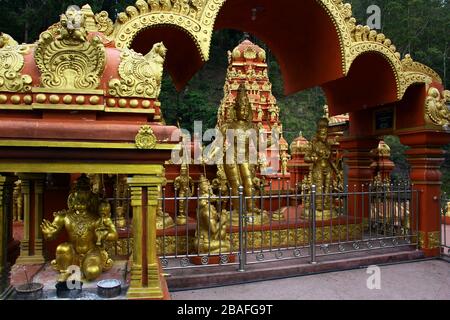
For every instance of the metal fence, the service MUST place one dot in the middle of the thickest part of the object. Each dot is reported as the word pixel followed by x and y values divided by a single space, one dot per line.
pixel 289 223
pixel 445 226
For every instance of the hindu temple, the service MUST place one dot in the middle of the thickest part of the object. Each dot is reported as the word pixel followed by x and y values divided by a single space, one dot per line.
pixel 89 179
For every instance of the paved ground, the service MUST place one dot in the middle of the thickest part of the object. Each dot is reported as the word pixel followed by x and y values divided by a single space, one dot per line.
pixel 428 280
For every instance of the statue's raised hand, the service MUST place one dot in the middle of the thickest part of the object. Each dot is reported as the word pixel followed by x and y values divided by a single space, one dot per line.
pixel 48 228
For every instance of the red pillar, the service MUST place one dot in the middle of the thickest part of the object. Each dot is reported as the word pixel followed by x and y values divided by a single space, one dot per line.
pixel 425 158
pixel 358 158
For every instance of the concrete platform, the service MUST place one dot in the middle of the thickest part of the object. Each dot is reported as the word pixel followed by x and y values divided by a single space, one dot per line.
pixel 425 280
pixel 187 279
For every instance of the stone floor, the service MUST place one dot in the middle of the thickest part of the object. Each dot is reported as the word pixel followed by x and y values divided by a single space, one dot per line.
pixel 47 276
pixel 427 280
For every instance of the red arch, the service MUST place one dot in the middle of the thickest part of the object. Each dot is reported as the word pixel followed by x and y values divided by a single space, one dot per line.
pixel 299 33
pixel 183 59
pixel 370 82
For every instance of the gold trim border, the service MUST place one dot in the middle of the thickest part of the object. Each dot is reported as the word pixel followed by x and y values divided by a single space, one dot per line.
pixel 84 167
pixel 78 144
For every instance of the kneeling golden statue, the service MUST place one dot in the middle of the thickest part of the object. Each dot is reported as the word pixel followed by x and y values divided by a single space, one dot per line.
pixel 88 225
pixel 212 231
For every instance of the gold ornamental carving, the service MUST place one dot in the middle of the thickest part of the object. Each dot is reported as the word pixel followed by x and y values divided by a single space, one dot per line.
pixel 11 66
pixel 194 16
pixel 145 139
pixel 104 23
pixel 409 65
pixel 429 240
pixel 434 240
pixel 70 60
pixel 436 110
pixel 140 76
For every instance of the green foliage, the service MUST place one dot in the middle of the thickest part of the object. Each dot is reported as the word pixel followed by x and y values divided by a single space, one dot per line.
pixel 401 169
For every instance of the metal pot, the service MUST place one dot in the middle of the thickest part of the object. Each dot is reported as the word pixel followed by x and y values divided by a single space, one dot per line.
pixel 30 291
pixel 109 288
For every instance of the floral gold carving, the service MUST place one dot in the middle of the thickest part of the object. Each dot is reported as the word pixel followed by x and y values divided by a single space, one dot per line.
pixel 70 60
pixel 145 139
pixel 436 109
pixel 104 23
pixel 140 75
pixel 11 66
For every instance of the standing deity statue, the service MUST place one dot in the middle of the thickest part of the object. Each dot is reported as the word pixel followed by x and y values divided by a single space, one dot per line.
pixel 260 113
pixel 212 226
pixel 236 148
pixel 285 157
pixel 274 112
pixel 323 170
pixel 18 201
pixel 121 204
pixel 184 187
pixel 89 226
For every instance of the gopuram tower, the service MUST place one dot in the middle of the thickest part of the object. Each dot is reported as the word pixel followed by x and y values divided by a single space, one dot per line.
pixel 248 66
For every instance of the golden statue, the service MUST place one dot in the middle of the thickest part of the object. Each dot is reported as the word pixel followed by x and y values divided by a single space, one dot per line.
pixel 122 203
pixel 285 157
pixel 73 25
pixel 323 169
pixel 88 225
pixel 212 226
pixel 239 171
pixel 447 214
pixel 184 185
pixel 163 219
pixel 18 201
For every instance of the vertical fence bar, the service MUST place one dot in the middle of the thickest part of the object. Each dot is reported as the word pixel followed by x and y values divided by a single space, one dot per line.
pixel 417 216
pixel 242 253
pixel 176 219
pixel 313 225
pixel 163 207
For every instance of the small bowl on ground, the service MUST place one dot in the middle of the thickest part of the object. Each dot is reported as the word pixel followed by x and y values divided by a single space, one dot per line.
pixel 109 288
pixel 29 291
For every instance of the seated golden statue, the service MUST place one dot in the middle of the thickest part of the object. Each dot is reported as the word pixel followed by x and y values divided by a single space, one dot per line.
pixel 88 225
pixel 163 219
pixel 323 171
pixel 212 227
pixel 236 157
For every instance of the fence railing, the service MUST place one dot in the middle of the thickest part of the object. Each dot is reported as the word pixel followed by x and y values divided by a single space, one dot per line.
pixel 303 223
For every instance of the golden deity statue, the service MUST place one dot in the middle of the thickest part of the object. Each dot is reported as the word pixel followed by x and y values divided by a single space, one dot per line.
pixel 236 157
pixel 184 185
pixel 285 157
pixel 89 226
pixel 163 219
pixel 212 226
pixel 73 25
pixel 18 201
pixel 122 200
pixel 323 170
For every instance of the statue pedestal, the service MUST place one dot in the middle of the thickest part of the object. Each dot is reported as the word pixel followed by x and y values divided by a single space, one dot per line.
pixel 278 181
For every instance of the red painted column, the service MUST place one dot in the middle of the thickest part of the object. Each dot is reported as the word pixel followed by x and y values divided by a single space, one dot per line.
pixel 425 158
pixel 358 158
